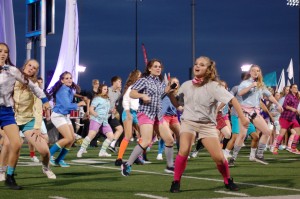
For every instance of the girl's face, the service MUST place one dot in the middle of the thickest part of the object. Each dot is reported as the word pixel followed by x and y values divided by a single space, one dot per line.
pixel 155 69
pixel 286 90
pixel 67 80
pixel 3 54
pixel 255 72
pixel 104 90
pixel 277 96
pixel 200 67
pixel 31 68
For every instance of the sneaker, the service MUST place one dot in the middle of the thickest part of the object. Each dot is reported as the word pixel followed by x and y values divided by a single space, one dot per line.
pixel 104 154
pixel 194 154
pixel 49 173
pixel 159 156
pixel 2 176
pixel 252 158
pixel 112 149
pixel 34 159
pixel 85 151
pixel 275 151
pixel 125 169
pixel 53 163
pixel 231 162
pixel 77 137
pixel 261 160
pixel 62 163
pixel 231 185
pixel 226 154
pixel 79 153
pixel 282 147
pixel 11 182
pixel 169 170
pixel 295 151
pixel 118 162
pixel 175 187
pixel 139 160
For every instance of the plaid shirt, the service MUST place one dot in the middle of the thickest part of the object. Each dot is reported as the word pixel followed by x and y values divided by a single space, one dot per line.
pixel 154 88
pixel 291 101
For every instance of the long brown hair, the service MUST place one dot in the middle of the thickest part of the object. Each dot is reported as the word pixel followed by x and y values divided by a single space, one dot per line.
pixel 99 92
pixel 149 65
pixel 132 78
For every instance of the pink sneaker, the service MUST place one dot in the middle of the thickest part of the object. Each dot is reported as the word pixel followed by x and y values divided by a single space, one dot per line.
pixel 295 151
pixel 275 151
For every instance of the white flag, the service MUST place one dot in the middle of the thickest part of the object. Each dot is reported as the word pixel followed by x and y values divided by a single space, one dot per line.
pixel 288 83
pixel 290 70
pixel 281 83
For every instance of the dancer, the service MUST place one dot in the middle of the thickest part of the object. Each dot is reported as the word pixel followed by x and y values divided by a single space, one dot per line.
pixel 8 76
pixel 200 97
pixel 149 89
pixel 63 95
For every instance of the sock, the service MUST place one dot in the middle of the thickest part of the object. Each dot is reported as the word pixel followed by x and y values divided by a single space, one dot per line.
pixel 278 140
pixel 224 170
pixel 123 147
pixel 253 151
pixel 55 147
pixel 169 152
pixel 161 146
pixel 180 165
pixel 32 153
pixel 10 170
pixel 105 145
pixel 62 154
pixel 227 151
pixel 260 150
pixel 290 142
pixel 295 141
pixel 113 143
pixel 85 143
pixel 225 142
pixel 236 151
pixel 138 149
pixel 199 145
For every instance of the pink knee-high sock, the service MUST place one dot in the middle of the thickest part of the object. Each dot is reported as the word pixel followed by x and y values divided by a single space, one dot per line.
pixel 224 170
pixel 295 141
pixel 278 140
pixel 180 165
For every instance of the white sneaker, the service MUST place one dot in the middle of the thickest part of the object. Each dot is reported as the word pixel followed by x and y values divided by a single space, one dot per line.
pixel 226 154
pixel 195 154
pixel 34 159
pixel 252 158
pixel 2 176
pixel 49 173
pixel 84 151
pixel 79 153
pixel 159 156
pixel 104 154
pixel 77 137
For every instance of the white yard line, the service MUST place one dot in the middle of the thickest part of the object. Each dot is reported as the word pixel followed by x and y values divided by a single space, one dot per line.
pixel 233 193
pixel 150 196
pixel 57 197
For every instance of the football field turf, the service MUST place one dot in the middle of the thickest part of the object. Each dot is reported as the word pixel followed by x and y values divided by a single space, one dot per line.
pixel 94 177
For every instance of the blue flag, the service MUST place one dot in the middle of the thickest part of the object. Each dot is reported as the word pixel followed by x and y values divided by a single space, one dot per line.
pixel 270 79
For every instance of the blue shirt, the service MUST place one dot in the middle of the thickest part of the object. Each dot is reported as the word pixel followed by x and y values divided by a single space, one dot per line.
pixel 167 107
pixel 102 108
pixel 253 96
pixel 63 101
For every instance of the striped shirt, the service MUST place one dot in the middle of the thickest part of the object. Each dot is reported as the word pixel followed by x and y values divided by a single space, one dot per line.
pixel 154 88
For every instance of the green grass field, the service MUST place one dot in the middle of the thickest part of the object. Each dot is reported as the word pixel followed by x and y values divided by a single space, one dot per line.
pixel 94 177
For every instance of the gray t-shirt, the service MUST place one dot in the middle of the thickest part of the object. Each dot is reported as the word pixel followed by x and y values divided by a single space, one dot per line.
pixel 113 97
pixel 200 103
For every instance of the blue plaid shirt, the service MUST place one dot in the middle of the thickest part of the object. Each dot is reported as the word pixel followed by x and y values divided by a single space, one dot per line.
pixel 154 88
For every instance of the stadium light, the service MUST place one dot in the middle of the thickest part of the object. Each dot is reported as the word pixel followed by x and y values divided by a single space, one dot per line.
pixel 81 69
pixel 246 67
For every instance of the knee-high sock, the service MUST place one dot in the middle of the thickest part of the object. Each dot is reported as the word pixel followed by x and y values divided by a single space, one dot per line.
pixel 169 152
pixel 10 170
pixel 105 144
pixel 236 151
pixel 260 150
pixel 225 142
pixel 54 149
pixel 123 147
pixel 295 141
pixel 138 149
pixel 291 139
pixel 224 170
pixel 85 143
pixel 161 146
pixel 180 165
pixel 278 140
pixel 62 154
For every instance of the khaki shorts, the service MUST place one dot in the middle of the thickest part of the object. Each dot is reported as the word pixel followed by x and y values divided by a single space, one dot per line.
pixel 202 129
pixel 59 119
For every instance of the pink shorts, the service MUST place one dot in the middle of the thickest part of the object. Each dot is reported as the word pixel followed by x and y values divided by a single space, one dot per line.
pixel 285 124
pixel 171 119
pixel 144 119
pixel 95 126
pixel 220 121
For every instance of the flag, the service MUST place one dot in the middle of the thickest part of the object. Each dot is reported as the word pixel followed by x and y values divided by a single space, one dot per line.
pixel 290 70
pixel 288 83
pixel 270 79
pixel 166 79
pixel 145 54
pixel 281 83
